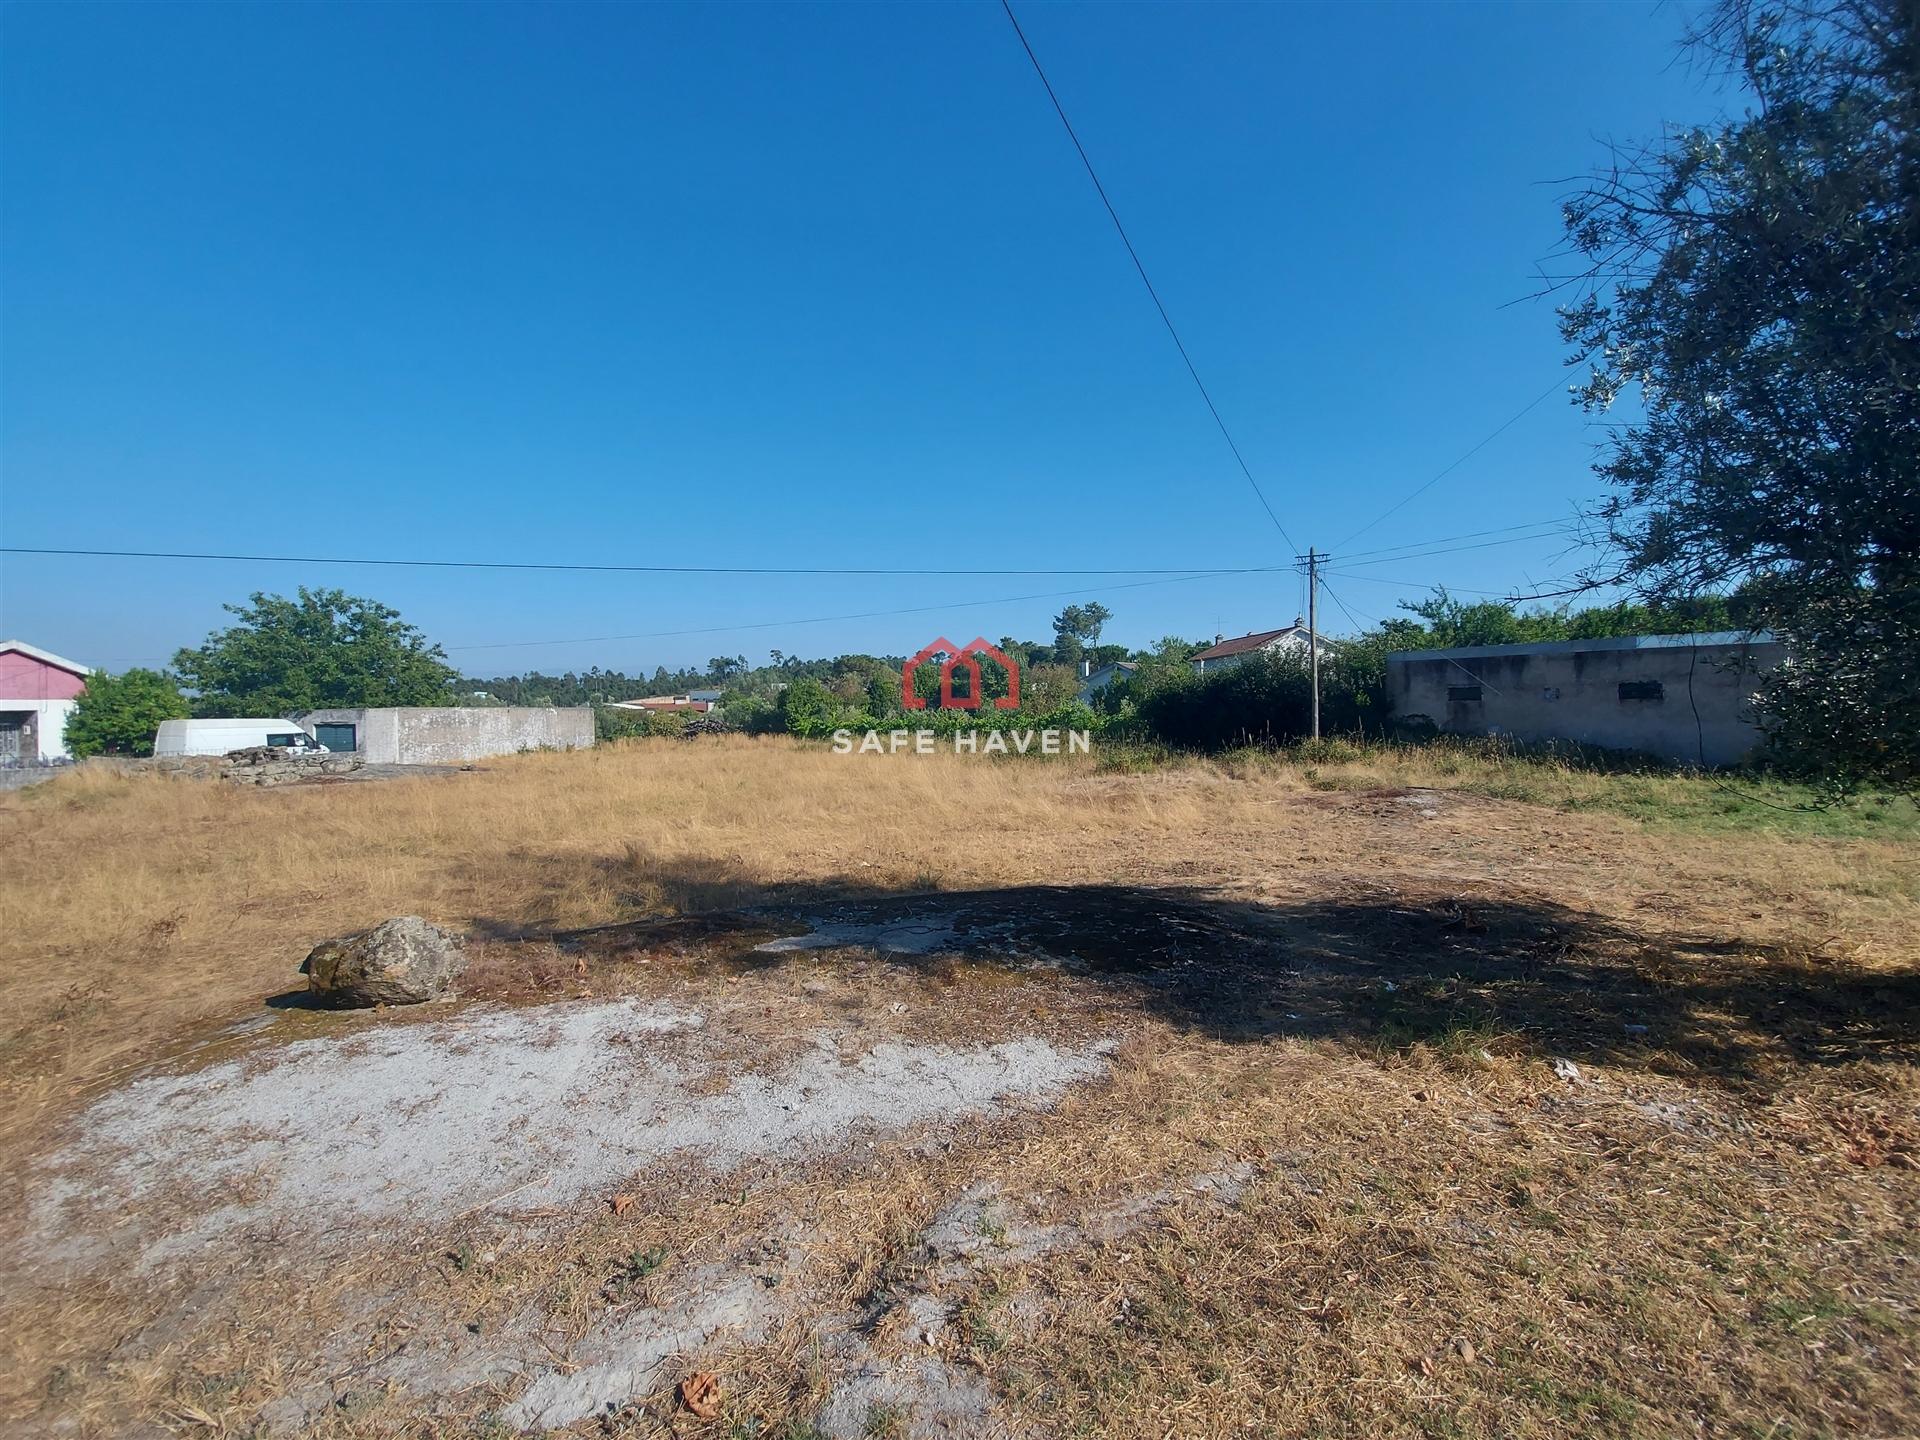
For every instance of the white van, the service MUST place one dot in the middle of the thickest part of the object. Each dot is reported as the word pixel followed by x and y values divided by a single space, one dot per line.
pixel 221 737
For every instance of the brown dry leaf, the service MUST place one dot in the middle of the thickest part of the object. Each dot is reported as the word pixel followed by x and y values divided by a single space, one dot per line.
pixel 1464 1349
pixel 700 1393
pixel 624 1203
pixel 580 967
pixel 1423 1365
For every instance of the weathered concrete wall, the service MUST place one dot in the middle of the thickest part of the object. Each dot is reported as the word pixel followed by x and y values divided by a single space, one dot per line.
pixel 455 734
pixel 1697 706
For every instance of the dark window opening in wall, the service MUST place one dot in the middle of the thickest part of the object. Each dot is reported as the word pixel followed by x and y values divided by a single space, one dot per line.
pixel 1458 693
pixel 1642 690
pixel 341 739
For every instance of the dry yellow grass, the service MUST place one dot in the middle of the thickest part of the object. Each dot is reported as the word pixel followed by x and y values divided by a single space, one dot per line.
pixel 1433 1241
pixel 134 905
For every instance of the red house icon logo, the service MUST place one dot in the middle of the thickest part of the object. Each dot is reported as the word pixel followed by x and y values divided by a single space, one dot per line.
pixel 960 657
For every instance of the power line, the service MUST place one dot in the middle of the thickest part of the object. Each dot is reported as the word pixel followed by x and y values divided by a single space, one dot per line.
pixel 1422 489
pixel 1545 526
pixel 1446 550
pixel 827 619
pixel 608 569
pixel 1471 675
pixel 1415 584
pixel 1134 255
pixel 810 620
pixel 1345 611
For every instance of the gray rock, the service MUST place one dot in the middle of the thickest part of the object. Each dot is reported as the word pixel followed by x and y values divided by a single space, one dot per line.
pixel 399 962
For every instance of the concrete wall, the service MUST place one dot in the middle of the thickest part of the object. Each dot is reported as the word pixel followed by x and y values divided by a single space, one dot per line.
pixel 1570 690
pixel 455 734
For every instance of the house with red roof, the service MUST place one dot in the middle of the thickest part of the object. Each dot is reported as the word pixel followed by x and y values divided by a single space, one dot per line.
pixel 1224 652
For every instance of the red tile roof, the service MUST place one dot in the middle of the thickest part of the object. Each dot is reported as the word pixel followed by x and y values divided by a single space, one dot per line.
pixel 1246 643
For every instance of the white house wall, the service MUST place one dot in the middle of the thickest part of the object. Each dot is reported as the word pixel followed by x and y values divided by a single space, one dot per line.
pixel 52 724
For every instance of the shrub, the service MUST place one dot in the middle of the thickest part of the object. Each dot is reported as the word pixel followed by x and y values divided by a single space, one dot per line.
pixel 610 723
pixel 807 709
pixel 1266 699
pixel 750 714
pixel 118 714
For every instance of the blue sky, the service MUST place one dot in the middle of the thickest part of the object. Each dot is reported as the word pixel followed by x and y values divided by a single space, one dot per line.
pixel 783 285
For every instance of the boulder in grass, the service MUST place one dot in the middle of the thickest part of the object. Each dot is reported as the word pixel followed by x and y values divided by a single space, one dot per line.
pixel 403 961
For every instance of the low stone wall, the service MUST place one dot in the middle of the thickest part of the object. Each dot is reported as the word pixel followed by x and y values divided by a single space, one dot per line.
pixel 262 765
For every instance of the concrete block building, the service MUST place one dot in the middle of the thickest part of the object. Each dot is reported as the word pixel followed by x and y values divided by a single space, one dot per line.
pixel 1686 698
pixel 449 734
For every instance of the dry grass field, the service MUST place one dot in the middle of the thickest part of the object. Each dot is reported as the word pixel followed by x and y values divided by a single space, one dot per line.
pixel 1378 1094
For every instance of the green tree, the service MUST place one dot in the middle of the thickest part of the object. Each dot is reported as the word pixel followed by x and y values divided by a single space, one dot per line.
pixel 806 708
pixel 1755 285
pixel 325 648
pixel 118 714
pixel 1077 627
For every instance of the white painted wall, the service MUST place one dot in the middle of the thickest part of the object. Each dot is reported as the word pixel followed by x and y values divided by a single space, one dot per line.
pixel 52 724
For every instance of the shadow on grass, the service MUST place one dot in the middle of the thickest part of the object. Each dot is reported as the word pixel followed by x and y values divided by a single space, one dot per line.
pixel 1513 977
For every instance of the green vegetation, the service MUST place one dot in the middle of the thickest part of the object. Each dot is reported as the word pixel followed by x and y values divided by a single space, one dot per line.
pixel 1164 710
pixel 1750 285
pixel 323 649
pixel 118 714
pixel 1569 778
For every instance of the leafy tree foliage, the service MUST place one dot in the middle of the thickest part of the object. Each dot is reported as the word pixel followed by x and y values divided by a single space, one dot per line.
pixel 1077 628
pixel 806 708
pixel 1264 699
pixel 325 648
pixel 1756 286
pixel 588 687
pixel 118 714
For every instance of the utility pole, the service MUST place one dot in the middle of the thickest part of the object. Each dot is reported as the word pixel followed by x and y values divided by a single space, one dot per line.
pixel 1313 559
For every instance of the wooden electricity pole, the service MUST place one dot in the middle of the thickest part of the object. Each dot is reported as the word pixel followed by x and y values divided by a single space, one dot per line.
pixel 1313 560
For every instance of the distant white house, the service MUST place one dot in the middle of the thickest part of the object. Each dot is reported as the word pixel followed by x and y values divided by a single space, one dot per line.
pixel 1224 653
pixel 1092 681
pixel 37 692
